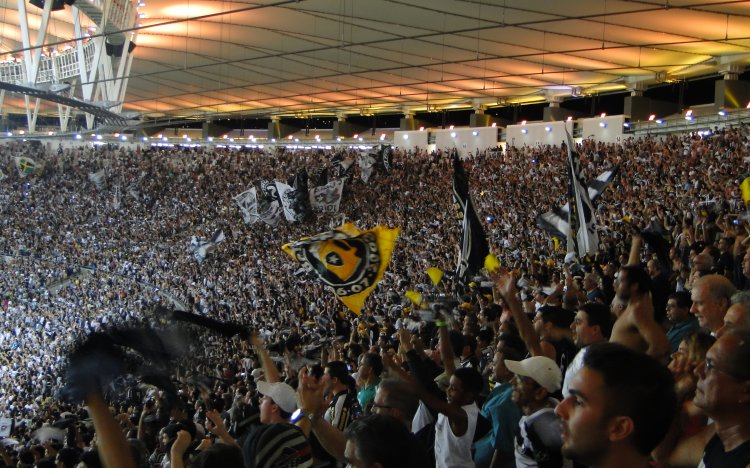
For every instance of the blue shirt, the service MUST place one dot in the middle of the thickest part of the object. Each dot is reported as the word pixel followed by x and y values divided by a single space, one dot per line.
pixel 504 415
pixel 678 332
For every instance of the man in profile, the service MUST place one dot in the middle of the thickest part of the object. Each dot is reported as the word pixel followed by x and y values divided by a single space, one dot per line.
pixel 711 295
pixel 723 393
pixel 620 406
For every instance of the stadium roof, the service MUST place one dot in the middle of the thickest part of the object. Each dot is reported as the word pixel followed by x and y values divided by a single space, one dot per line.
pixel 321 57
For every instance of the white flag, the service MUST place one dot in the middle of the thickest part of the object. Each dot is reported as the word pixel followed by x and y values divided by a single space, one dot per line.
pixel 327 197
pixel 366 164
pixel 248 203
pixel 284 190
pixel 201 247
pixel 97 178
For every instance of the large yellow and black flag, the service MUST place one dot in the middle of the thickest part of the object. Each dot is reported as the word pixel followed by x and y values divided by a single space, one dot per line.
pixel 349 261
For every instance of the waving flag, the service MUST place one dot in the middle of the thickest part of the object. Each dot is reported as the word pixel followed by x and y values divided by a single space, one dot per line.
pixel 349 261
pixel 25 166
pixel 295 198
pixel 474 247
pixel 201 247
pixel 247 201
pixel 386 156
pixel 582 236
pixel 556 222
pixel 366 166
pixel 269 203
pixel 328 197
pixel 97 178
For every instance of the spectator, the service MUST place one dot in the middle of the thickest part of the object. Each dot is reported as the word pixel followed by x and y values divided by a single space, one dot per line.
pixel 592 325
pixel 711 296
pixel 538 440
pixel 738 314
pixel 636 327
pixel 724 394
pixel 368 376
pixel 683 323
pixel 496 448
pixel 620 406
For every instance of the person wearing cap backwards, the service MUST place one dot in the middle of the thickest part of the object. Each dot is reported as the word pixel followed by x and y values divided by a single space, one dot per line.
pixel 538 439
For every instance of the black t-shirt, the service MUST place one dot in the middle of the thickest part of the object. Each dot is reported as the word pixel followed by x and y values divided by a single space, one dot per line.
pixel 714 455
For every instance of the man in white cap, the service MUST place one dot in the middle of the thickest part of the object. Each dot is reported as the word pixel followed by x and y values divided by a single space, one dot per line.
pixel 538 442
pixel 278 403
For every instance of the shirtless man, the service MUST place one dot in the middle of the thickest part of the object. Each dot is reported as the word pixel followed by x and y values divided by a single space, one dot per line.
pixel 636 327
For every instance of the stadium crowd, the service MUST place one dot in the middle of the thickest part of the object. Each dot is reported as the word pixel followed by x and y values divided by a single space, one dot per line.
pixel 513 372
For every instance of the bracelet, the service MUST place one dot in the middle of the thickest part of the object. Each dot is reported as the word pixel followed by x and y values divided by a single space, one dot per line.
pixel 441 324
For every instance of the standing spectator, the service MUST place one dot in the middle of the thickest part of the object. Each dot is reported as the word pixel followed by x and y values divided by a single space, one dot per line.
pixel 683 323
pixel 339 384
pixel 538 439
pixel 712 296
pixel 592 325
pixel 496 448
pixel 635 327
pixel 368 377
pixel 620 406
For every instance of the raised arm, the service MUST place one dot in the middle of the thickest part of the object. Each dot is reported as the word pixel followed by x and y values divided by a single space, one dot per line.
pixel 114 450
pixel 505 285
pixel 635 250
pixel 457 417
pixel 311 404
pixel 270 370
pixel 446 348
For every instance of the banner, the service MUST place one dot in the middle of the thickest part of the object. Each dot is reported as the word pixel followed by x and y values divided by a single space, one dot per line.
pixel 328 197
pixel 247 201
pixel 349 261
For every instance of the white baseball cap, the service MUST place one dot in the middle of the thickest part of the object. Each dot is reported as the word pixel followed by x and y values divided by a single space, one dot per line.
pixel 281 394
pixel 541 369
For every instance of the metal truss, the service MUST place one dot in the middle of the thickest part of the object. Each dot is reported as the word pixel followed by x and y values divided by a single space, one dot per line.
pixel 89 73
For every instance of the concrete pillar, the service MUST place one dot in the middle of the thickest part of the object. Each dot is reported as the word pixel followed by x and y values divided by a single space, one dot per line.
pixel 731 93
pixel 344 129
pixel 278 130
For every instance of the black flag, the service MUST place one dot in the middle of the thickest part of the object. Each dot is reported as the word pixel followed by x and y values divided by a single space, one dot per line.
pixel 474 247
